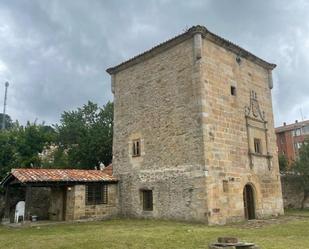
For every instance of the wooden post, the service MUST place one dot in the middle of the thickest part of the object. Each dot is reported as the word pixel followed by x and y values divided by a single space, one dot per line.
pixel 28 202
pixel 7 204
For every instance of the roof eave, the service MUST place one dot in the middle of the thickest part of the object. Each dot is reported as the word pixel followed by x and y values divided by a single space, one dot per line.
pixel 6 179
pixel 239 51
pixel 150 53
pixel 187 35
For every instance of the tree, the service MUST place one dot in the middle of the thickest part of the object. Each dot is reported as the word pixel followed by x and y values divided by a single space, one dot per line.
pixel 30 141
pixel 283 163
pixel 86 135
pixel 301 168
pixel 20 145
pixel 8 121
pixel 7 152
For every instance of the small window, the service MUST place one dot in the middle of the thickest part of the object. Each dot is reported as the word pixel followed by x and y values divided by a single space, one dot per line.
pixel 136 147
pixel 297 132
pixel 96 194
pixel 257 146
pixel 147 200
pixel 233 90
pixel 225 186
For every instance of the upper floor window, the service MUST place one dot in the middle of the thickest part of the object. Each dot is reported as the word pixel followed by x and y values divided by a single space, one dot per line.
pixel 136 147
pixel 225 186
pixel 305 129
pixel 233 90
pixel 297 132
pixel 257 146
pixel 96 194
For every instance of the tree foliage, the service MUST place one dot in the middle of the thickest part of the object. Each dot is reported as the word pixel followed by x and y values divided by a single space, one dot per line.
pixel 283 163
pixel 20 145
pixel 301 168
pixel 8 121
pixel 85 135
pixel 82 139
pixel 7 152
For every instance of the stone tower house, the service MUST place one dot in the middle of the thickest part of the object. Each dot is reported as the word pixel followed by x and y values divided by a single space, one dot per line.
pixel 194 132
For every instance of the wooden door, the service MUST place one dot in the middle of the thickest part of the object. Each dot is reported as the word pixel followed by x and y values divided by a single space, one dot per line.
pixel 249 203
pixel 64 202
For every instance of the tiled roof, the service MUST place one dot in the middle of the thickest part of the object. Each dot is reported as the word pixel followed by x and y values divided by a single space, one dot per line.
pixel 184 36
pixel 108 169
pixel 61 175
pixel 292 126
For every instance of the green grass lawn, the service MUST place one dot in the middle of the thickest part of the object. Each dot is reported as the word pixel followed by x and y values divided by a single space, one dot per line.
pixel 297 212
pixel 291 232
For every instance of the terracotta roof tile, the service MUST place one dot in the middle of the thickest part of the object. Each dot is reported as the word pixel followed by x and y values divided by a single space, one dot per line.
pixel 61 175
pixel 108 169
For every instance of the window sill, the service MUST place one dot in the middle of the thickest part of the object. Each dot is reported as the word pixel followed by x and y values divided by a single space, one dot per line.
pixel 260 155
pixel 98 204
pixel 147 212
pixel 136 155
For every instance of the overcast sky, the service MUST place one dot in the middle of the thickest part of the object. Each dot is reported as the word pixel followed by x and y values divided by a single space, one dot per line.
pixel 54 53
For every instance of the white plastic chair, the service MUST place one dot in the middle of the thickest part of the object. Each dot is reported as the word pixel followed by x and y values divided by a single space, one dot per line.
pixel 20 211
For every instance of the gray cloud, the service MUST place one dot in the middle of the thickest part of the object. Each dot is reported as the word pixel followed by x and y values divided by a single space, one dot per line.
pixel 55 52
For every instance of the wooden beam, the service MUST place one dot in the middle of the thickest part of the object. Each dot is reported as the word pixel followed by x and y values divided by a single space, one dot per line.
pixel 7 203
pixel 28 203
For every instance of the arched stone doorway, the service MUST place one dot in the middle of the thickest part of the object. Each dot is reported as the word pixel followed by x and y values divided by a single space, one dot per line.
pixel 249 202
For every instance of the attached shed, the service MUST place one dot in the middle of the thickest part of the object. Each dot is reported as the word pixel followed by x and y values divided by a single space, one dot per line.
pixel 73 194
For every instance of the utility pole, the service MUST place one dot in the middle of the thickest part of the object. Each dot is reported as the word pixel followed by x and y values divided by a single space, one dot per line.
pixel 4 106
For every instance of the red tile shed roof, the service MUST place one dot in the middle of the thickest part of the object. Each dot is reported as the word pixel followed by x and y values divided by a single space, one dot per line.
pixel 108 170
pixel 61 175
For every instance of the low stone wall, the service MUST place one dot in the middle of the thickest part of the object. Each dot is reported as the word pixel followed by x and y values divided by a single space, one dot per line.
pixel 79 210
pixel 292 192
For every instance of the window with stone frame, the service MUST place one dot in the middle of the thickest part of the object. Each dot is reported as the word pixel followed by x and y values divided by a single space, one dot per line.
pixel 136 147
pixel 233 90
pixel 257 146
pixel 225 186
pixel 96 194
pixel 147 200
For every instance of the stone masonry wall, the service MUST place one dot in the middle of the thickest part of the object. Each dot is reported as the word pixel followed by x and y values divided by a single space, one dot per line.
pixel 79 209
pixel 226 137
pixel 76 207
pixel 157 101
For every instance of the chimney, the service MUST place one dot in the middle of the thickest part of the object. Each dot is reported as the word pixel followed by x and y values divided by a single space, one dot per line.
pixel 102 166
pixel 296 121
pixel 284 123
